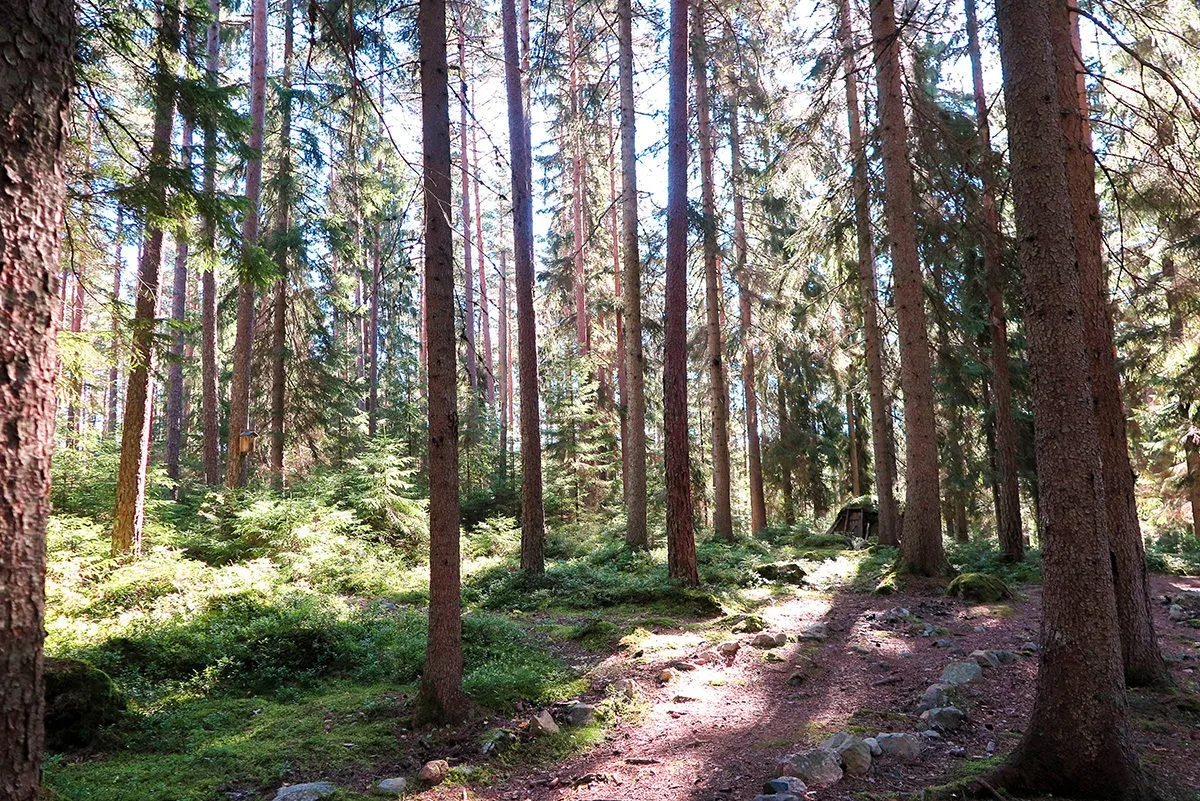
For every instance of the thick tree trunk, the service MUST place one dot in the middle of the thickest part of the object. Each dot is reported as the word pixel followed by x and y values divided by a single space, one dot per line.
pixel 468 264
pixel 442 698
pixel 882 442
pixel 129 515
pixel 618 317
pixel 239 400
pixel 35 87
pixel 1143 662
pixel 533 515
pixel 636 534
pixel 681 537
pixel 1078 739
pixel 179 284
pixel 758 502
pixel 110 421
pixel 718 382
pixel 1007 484
pixel 485 318
pixel 283 231
pixel 921 546
pixel 208 311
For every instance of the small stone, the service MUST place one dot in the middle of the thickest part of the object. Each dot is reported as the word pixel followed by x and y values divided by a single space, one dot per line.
pixel 935 696
pixel 542 723
pixel 310 791
pixel 776 797
pixel 901 745
pixel 856 756
pixel 1030 646
pixel 978 587
pixel 957 751
pixel 435 771
pixel 979 629
pixel 624 688
pixel 769 639
pixel 816 768
pixel 873 744
pixel 817 631
pixel 990 747
pixel 784 785
pixel 985 659
pixel 394 786
pixel 896 615
pixel 797 678
pixel 497 741
pixel 945 718
pixel 668 675
pixel 930 734
pixel 580 714
pixel 729 648
pixel 749 624
pixel 1176 612
pixel 1005 657
pixel 957 673
pixel 943 643
pixel 858 648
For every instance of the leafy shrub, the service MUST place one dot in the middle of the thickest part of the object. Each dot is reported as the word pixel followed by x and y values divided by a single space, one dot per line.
pixel 495 536
pixel 984 556
pixel 84 480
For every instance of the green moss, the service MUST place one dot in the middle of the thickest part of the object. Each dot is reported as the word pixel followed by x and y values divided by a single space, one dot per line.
pixel 80 699
pixel 978 587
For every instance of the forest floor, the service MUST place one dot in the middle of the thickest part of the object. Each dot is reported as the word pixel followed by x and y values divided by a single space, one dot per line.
pixel 715 732
pixel 287 650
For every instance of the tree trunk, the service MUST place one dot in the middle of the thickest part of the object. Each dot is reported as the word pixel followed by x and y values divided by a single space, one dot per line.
pixel 758 502
pixel 1143 662
pixel 636 534
pixel 505 361
pixel 681 538
pixel 129 515
pixel 283 232
pixel 1078 739
pixel 208 311
pixel 372 334
pixel 1191 445
pixel 485 319
pixel 921 546
pixel 852 442
pixel 882 443
pixel 785 428
pixel 35 90
pixel 239 401
pixel 718 382
pixel 468 277
pixel 533 515
pixel 178 315
pixel 441 697
pixel 579 286
pixel 1008 516
pixel 619 317
pixel 110 423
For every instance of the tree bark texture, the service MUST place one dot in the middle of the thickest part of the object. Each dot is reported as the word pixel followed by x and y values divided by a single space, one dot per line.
pixel 442 698
pixel 283 252
pixel 36 47
pixel 1143 662
pixel 129 515
pixel 636 534
pixel 468 264
pixel 209 389
pixel 1078 739
pixel 533 515
pixel 485 318
pixel 110 424
pixel 921 549
pixel 179 284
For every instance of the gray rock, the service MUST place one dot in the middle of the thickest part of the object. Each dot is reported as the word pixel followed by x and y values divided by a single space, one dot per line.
pixel 935 696
pixel 943 643
pixel 434 771
pixel 1030 646
pixel 395 786
pixel 856 756
pixel 776 797
pixel 817 631
pixel 896 615
pixel 729 648
pixel 957 673
pixel 1005 657
pixel 985 659
pixel 930 734
pixel 900 745
pixel 1177 612
pixel 769 639
pixel 979 629
pixel 542 723
pixel 784 785
pixel 580 714
pixel 305 792
pixel 945 718
pixel 816 768
pixel 497 741
pixel 873 744
pixel 624 688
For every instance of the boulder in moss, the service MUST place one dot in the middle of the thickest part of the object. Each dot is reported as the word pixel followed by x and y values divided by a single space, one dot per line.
pixel 978 587
pixel 80 699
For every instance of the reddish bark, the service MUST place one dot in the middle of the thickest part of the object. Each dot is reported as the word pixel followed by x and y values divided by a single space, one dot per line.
pixel 468 277
pixel 208 311
pixel 179 282
pixel 283 230
pixel 38 43
pixel 485 317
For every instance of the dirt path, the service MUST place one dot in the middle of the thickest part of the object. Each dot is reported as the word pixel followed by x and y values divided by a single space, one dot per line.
pixel 715 732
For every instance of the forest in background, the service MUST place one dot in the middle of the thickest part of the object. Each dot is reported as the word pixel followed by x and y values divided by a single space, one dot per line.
pixel 641 373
